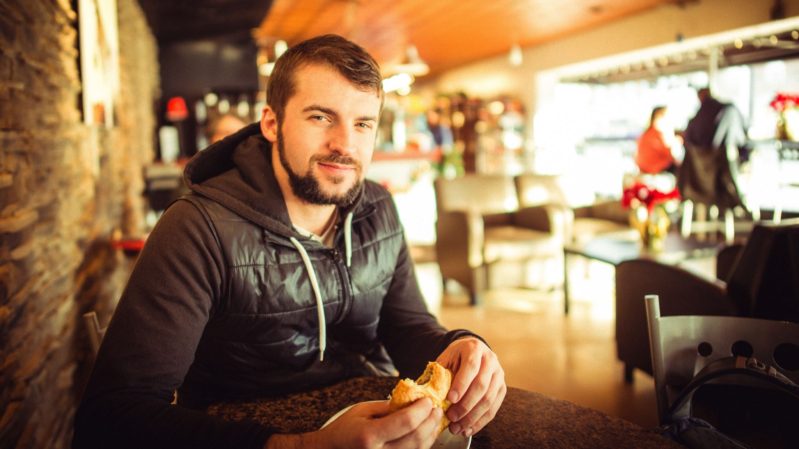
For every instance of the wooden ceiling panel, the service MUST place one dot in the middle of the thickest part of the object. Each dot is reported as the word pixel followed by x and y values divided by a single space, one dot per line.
pixel 447 33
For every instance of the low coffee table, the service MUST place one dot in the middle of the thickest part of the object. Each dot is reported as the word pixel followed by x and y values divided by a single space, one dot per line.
pixel 615 248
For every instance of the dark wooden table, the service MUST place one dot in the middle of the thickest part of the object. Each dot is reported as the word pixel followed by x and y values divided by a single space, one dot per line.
pixel 526 419
pixel 615 248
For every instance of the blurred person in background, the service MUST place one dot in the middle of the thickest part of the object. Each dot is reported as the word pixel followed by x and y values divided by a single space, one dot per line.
pixel 658 144
pixel 715 146
pixel 223 126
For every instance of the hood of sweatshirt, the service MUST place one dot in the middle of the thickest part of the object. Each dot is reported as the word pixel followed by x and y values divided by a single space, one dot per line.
pixel 237 173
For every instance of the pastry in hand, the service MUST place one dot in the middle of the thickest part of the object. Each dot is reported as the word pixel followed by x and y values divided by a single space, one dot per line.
pixel 434 383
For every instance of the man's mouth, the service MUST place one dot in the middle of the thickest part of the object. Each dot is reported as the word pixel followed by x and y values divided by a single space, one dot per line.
pixel 337 164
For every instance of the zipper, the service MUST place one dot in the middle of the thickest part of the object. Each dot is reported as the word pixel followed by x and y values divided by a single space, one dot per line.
pixel 344 278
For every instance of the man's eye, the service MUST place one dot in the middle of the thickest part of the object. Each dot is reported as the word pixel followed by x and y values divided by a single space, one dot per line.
pixel 318 118
pixel 364 125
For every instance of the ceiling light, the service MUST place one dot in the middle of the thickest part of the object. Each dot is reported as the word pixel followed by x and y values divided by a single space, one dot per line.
pixel 739 44
pixel 412 64
pixel 267 56
pixel 795 34
pixel 515 56
pixel 280 47
pixel 398 83
pixel 266 69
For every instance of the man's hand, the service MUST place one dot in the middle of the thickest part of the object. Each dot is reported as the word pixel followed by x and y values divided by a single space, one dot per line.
pixel 370 425
pixel 478 386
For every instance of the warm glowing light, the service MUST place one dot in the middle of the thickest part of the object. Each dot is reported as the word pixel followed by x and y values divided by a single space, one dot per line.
pixel 496 107
pixel 412 63
pixel 739 44
pixel 400 82
pixel 224 106
pixel 280 47
pixel 515 57
pixel 211 99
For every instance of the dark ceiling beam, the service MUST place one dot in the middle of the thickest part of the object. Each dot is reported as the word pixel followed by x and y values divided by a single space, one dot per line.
pixel 188 20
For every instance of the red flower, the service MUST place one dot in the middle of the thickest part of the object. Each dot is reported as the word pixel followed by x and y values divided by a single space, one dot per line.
pixel 783 101
pixel 641 194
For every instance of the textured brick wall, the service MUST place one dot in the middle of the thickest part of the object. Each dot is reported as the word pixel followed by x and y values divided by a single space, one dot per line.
pixel 64 188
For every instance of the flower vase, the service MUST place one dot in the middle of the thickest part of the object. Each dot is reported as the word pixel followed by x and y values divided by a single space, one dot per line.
pixel 652 225
pixel 790 124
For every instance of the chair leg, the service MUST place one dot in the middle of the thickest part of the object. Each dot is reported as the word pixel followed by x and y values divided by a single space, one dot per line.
pixel 479 284
pixel 703 220
pixel 729 226
pixel 628 373
pixel 475 298
pixel 687 216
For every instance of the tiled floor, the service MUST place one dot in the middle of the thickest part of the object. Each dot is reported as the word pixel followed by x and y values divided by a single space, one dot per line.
pixel 568 357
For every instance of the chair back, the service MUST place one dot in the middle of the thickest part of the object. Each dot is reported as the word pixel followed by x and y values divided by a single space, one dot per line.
pixel 682 345
pixel 94 330
pixel 764 281
pixel 483 194
pixel 537 190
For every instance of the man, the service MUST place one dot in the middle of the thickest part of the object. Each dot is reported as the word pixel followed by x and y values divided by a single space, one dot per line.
pixel 656 144
pixel 283 271
pixel 714 138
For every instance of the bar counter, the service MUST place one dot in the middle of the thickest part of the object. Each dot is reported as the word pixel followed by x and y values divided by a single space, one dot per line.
pixel 526 419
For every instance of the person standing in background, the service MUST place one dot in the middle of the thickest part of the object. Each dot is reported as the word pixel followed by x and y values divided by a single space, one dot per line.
pixel 656 146
pixel 715 144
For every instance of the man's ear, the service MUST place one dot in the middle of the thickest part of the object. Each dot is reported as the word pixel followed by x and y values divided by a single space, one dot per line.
pixel 269 124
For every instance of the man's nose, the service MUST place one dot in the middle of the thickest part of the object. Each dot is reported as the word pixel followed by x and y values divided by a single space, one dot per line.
pixel 342 139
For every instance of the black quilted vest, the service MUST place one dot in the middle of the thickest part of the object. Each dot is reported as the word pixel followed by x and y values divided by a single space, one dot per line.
pixel 262 335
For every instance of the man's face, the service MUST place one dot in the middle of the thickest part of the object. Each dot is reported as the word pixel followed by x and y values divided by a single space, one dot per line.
pixel 326 138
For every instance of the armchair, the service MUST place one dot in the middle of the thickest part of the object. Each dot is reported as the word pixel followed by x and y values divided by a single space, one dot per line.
pixel 480 226
pixel 762 281
pixel 581 223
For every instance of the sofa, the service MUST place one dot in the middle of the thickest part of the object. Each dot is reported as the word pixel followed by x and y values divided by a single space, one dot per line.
pixel 482 232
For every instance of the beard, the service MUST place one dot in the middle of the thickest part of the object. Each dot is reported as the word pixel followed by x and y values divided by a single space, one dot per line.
pixel 307 186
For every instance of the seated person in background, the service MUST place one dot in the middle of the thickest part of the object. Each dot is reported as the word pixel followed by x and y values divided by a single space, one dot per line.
pixel 656 145
pixel 283 270
pixel 223 126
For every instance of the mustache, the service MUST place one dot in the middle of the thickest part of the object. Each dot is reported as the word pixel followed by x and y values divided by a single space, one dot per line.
pixel 337 159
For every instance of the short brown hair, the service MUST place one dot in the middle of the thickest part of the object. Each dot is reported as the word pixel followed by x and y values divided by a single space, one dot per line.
pixel 350 59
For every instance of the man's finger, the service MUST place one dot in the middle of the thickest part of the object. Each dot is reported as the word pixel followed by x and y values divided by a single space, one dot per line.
pixel 480 384
pixel 403 421
pixel 464 376
pixel 489 415
pixel 372 409
pixel 470 423
pixel 422 437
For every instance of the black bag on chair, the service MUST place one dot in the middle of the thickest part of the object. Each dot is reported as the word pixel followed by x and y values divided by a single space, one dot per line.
pixel 736 402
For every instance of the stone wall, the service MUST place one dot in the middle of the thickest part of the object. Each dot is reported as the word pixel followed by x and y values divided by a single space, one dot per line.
pixel 65 187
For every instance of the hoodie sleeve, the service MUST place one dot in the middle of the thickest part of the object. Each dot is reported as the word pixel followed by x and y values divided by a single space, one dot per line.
pixel 150 344
pixel 411 335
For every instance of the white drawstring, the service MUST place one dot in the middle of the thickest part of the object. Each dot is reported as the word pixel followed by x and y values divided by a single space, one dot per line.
pixel 320 310
pixel 348 238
